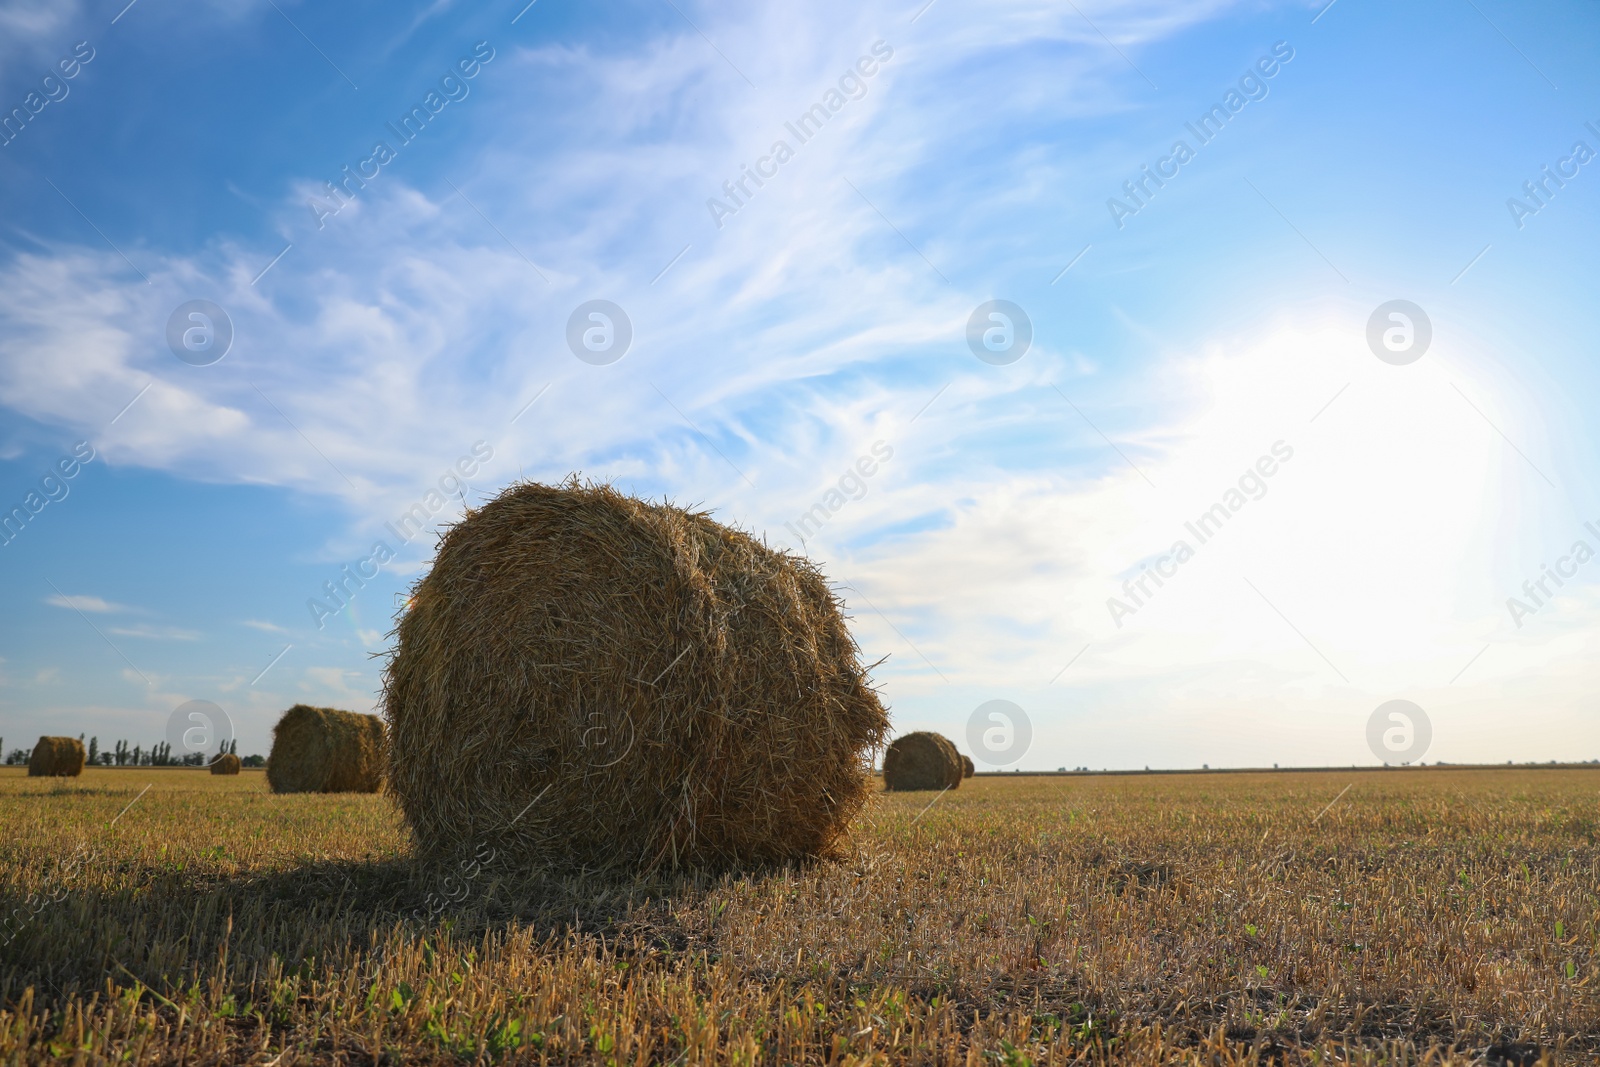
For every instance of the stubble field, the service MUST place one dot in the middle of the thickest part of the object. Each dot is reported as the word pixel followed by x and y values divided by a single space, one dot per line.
pixel 1437 914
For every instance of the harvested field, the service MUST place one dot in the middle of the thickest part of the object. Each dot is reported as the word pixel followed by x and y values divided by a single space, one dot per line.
pixel 1221 918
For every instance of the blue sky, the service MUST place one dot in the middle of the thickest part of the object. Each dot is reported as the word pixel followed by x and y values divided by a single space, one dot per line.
pixel 374 347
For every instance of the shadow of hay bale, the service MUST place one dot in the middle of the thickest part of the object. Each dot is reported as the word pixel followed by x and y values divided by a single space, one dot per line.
pixel 1513 1054
pixel 318 911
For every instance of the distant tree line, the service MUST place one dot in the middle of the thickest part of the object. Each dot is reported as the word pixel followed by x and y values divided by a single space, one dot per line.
pixel 157 755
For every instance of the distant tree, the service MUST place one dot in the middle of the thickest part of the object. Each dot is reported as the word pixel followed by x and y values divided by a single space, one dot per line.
pixel 122 753
pixel 17 756
pixel 94 750
pixel 138 756
pixel 253 761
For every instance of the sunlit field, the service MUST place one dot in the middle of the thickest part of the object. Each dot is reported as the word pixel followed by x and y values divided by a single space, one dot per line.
pixel 1204 918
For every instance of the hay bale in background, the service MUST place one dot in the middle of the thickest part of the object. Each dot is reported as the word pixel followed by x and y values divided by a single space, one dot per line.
pixel 56 757
pixel 588 680
pixel 326 750
pixel 227 763
pixel 967 769
pixel 922 760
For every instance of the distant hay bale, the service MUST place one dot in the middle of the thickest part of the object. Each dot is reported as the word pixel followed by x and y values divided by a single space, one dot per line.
pixel 56 757
pixel 967 769
pixel 922 760
pixel 227 763
pixel 586 680
pixel 325 750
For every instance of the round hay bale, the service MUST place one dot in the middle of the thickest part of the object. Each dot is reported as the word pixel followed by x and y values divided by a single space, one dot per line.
pixel 325 750
pixel 227 763
pixel 922 760
pixel 590 681
pixel 967 769
pixel 56 757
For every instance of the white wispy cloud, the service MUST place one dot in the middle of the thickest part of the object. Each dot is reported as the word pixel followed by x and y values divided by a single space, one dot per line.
pixel 97 605
pixel 378 353
pixel 156 633
pixel 338 687
pixel 31 31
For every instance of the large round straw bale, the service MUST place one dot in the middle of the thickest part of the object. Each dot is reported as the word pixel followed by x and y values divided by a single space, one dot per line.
pixel 227 763
pixel 967 769
pixel 588 680
pixel 56 757
pixel 922 760
pixel 326 750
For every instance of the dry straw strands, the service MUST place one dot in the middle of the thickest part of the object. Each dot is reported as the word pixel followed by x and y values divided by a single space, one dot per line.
pixel 56 757
pixel 227 763
pixel 325 750
pixel 922 760
pixel 588 680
